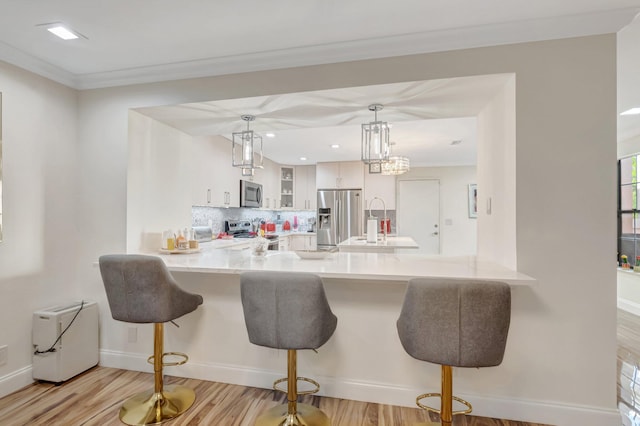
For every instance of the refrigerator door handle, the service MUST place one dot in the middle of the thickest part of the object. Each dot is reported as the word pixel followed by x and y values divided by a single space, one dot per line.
pixel 336 222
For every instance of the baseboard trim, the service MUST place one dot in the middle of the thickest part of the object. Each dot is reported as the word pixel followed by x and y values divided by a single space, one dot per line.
pixel 487 406
pixel 15 381
pixel 629 306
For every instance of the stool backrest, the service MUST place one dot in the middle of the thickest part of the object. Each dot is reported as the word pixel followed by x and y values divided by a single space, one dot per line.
pixel 140 289
pixel 460 323
pixel 286 310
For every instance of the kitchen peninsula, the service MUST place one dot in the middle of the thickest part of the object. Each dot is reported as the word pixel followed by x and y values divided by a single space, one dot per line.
pixel 365 291
pixel 391 267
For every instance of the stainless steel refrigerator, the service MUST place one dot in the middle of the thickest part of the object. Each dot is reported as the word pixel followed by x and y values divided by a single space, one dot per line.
pixel 340 214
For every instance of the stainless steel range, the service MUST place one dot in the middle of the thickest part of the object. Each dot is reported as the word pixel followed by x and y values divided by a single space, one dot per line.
pixel 243 229
pixel 239 228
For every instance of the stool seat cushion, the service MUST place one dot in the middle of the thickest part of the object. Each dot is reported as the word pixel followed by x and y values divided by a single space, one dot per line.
pixel 286 310
pixel 460 323
pixel 140 289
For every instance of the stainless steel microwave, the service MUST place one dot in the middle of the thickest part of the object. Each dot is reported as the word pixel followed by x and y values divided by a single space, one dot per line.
pixel 250 194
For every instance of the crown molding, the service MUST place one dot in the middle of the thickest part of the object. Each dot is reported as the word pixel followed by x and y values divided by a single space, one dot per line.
pixel 13 56
pixel 595 23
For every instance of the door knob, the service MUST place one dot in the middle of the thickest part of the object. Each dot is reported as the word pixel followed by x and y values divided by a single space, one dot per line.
pixel 435 233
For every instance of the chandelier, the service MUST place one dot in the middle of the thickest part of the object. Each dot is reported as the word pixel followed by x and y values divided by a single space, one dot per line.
pixel 395 165
pixel 375 140
pixel 246 149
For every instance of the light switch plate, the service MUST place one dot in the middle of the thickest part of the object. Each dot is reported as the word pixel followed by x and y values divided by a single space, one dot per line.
pixel 132 334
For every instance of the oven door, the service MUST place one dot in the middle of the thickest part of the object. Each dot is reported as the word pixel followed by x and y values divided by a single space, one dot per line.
pixel 274 244
pixel 250 194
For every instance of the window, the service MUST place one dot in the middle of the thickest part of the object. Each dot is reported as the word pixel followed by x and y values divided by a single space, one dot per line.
pixel 628 208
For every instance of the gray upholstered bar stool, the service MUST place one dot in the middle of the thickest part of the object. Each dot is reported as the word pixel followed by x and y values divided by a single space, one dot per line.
pixel 454 323
pixel 288 311
pixel 140 289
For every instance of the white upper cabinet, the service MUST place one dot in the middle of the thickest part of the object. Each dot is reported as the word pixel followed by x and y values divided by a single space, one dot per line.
pixel 268 177
pixel 381 186
pixel 287 186
pixel 215 182
pixel 340 175
pixel 305 188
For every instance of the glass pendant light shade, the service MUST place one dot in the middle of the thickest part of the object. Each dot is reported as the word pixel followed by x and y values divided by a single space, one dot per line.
pixel 395 165
pixel 246 149
pixel 375 139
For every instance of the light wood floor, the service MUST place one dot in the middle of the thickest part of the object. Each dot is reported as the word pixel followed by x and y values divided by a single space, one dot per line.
pixel 94 398
pixel 629 367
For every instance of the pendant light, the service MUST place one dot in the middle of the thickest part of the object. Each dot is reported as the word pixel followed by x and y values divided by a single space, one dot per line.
pixel 246 149
pixel 375 141
pixel 395 165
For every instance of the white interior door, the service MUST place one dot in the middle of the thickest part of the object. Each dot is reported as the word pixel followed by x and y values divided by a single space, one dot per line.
pixel 418 213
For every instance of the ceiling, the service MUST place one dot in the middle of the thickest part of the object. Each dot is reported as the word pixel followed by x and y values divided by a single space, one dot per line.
pixel 128 42
pixel 426 116
pixel 151 40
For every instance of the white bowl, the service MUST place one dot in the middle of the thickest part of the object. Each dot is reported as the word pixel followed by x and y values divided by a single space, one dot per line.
pixel 312 254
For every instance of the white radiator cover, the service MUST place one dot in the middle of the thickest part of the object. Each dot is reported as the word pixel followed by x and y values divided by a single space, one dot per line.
pixel 75 352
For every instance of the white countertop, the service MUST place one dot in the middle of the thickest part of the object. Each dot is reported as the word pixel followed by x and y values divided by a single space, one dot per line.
pixel 352 266
pixel 391 243
pixel 233 242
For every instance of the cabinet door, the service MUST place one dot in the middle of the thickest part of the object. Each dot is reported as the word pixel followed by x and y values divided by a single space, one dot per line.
pixel 312 192
pixel 327 175
pixel 305 188
pixel 283 243
pixel 300 190
pixel 287 176
pixel 351 174
pixel 215 182
pixel 310 242
pixel 381 186
pixel 296 242
pixel 201 191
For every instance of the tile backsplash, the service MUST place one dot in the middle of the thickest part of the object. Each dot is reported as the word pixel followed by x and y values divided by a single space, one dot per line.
pixel 216 216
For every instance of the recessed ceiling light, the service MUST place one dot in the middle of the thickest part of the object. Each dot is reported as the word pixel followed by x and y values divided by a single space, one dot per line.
pixel 62 32
pixel 270 135
pixel 303 158
pixel 631 111
pixel 456 142
pixel 335 146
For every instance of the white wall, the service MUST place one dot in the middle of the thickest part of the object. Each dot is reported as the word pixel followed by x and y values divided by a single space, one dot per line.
pixel 38 252
pixel 497 178
pixel 459 238
pixel 560 362
pixel 159 182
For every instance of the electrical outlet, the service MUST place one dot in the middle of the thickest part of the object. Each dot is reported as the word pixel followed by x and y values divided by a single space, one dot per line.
pixel 4 354
pixel 132 334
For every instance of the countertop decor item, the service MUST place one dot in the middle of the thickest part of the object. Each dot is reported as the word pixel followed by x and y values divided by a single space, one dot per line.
pixel 313 254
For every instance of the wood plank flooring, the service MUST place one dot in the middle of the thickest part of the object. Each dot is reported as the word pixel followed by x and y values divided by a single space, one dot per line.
pixel 629 368
pixel 94 397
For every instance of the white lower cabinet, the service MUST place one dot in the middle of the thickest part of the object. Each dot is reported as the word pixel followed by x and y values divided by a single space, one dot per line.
pixel 283 243
pixel 302 242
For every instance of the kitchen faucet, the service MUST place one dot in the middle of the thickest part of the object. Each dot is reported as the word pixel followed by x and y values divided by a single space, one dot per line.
pixel 384 220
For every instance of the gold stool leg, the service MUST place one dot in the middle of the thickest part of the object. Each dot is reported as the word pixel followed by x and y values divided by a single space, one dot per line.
pixel 446 401
pixel 164 403
pixel 293 414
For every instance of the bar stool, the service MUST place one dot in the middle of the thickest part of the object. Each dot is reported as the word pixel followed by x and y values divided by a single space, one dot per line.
pixel 140 289
pixel 454 323
pixel 288 311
